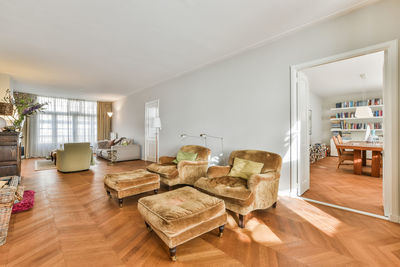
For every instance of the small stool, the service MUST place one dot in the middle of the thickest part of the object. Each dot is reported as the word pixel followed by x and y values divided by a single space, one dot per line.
pixel 126 184
pixel 181 215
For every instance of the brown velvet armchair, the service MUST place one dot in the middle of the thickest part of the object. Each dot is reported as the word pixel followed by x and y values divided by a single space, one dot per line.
pixel 185 172
pixel 242 196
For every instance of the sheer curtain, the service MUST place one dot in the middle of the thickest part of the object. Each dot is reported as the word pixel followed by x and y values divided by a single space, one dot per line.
pixel 63 121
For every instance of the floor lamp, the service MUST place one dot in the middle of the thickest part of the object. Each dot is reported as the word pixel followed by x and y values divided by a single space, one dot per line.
pixel 157 125
pixel 205 136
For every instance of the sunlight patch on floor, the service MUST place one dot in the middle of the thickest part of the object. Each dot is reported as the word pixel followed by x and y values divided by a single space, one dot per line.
pixel 318 218
pixel 262 234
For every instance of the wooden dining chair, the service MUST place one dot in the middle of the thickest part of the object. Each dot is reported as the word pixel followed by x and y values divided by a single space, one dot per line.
pixel 340 141
pixel 342 154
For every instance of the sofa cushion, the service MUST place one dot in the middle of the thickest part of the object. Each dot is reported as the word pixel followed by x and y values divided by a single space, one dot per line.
pixel 176 211
pixel 227 187
pixel 167 170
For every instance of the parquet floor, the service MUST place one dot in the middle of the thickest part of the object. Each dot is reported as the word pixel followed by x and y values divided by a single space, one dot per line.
pixel 74 223
pixel 343 188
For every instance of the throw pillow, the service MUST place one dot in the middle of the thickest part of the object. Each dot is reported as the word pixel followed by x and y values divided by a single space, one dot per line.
pixel 244 168
pixel 184 156
pixel 109 144
pixel 125 142
pixel 118 140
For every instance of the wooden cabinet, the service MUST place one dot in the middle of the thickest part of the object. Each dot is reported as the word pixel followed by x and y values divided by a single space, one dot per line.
pixel 10 154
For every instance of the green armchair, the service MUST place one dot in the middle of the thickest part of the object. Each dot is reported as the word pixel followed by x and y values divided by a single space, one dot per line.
pixel 74 157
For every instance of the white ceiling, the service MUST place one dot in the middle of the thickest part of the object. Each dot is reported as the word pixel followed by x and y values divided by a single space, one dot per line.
pixel 343 77
pixel 104 49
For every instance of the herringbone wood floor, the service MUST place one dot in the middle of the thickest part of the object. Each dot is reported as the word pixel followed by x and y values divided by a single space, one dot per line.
pixel 74 223
pixel 343 188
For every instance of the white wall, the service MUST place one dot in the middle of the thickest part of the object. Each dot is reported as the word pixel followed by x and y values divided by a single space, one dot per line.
pixel 246 99
pixel 316 108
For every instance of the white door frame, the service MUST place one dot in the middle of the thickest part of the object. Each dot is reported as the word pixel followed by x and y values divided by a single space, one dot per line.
pixel 157 101
pixel 390 122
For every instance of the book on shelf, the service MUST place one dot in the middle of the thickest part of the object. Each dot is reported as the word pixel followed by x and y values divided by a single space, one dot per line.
pixel 359 103
pixel 356 126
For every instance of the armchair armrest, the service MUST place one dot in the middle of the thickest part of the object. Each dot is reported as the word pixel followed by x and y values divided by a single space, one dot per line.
pixel 190 171
pixel 102 144
pixel 256 179
pixel 218 171
pixel 188 163
pixel 166 159
pixel 60 153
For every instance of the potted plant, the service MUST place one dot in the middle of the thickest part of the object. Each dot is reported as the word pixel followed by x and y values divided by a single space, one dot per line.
pixel 23 106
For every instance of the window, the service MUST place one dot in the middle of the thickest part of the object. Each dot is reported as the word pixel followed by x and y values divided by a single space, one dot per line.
pixel 64 121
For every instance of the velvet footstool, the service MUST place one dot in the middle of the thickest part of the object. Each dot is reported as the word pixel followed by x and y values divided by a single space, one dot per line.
pixel 125 184
pixel 181 215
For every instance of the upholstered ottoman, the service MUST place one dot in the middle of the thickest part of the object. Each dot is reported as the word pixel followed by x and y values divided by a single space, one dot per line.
pixel 180 215
pixel 125 184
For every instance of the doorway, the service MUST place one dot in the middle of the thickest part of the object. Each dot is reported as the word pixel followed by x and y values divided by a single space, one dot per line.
pixel 302 129
pixel 151 142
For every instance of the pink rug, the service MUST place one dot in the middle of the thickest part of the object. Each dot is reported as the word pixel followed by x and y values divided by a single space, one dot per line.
pixel 26 203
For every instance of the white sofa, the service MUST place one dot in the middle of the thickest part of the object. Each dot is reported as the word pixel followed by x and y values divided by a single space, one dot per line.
pixel 125 150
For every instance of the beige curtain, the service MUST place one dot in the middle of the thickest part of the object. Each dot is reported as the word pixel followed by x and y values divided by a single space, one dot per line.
pixel 103 121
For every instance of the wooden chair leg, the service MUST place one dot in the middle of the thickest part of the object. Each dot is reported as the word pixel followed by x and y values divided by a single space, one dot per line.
pixel 120 200
pixel 241 221
pixel 221 230
pixel 340 162
pixel 172 253
pixel 148 227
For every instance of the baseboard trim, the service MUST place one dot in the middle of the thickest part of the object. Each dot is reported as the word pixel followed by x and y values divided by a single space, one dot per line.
pixel 348 209
pixel 394 218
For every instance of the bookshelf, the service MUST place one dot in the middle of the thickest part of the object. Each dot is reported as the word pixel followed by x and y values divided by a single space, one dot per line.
pixel 354 108
pixel 353 130
pixel 343 121
pixel 358 119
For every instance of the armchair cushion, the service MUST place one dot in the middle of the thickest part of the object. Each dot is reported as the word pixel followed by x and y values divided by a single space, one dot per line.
pixel 229 188
pixel 244 168
pixel 167 170
pixel 184 156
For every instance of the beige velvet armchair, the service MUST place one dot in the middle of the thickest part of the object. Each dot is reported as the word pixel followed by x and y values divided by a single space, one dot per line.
pixel 242 196
pixel 185 172
pixel 75 157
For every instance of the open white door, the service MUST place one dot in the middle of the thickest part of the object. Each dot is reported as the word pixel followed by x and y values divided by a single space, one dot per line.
pixel 304 130
pixel 151 112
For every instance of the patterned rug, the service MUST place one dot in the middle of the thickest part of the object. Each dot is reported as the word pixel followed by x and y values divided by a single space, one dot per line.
pixel 43 164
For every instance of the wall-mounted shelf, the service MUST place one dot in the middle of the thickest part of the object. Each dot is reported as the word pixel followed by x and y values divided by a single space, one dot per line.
pixel 356 119
pixel 354 108
pixel 352 130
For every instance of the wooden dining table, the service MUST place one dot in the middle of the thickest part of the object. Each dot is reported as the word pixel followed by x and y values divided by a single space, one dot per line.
pixel 360 155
